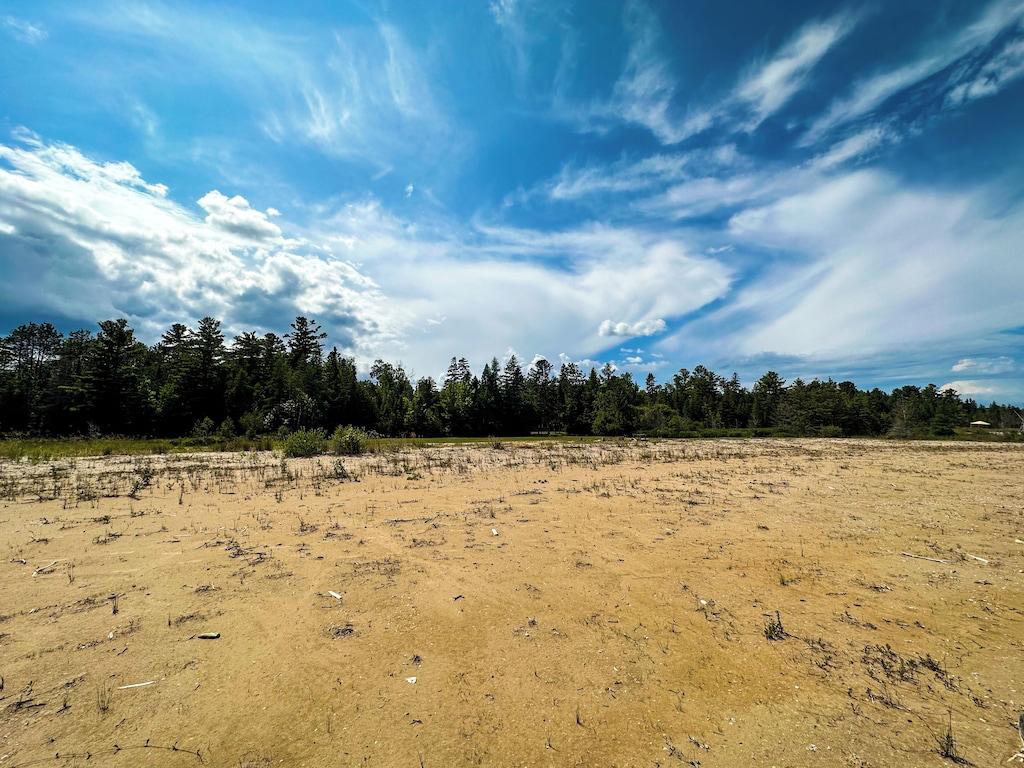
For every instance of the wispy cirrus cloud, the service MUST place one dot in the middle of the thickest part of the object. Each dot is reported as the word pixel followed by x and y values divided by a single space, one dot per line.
pixel 637 175
pixel 983 365
pixel 644 93
pixel 990 76
pixel 23 30
pixel 882 266
pixel 771 84
pixel 358 92
pixel 970 47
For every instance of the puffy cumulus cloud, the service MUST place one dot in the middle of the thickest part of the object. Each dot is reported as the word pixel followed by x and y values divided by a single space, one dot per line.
pixel 530 290
pixel 84 240
pixel 971 388
pixel 235 215
pixel 639 328
pixel 989 365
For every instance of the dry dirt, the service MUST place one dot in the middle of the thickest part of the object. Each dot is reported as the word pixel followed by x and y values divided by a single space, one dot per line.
pixel 516 605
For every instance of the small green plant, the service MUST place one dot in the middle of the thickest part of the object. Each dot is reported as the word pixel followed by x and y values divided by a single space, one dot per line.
pixel 348 441
pixel 143 478
pixel 250 423
pixel 305 442
pixel 226 430
pixel 204 427
pixel 338 471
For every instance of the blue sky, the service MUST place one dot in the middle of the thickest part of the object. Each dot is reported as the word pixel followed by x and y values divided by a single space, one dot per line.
pixel 826 189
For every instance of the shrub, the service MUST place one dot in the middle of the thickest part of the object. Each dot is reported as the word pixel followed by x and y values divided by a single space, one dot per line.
pixel 338 471
pixel 226 430
pixel 204 427
pixel 305 442
pixel 348 441
pixel 251 423
pixel 830 430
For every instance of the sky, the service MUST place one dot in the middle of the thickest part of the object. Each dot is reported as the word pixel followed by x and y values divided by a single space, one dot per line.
pixel 818 188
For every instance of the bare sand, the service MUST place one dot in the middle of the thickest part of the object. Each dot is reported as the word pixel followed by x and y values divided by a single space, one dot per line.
pixel 521 605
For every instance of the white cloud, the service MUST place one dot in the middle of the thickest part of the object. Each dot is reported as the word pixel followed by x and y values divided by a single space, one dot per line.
pixel 510 17
pixel 882 266
pixel 531 290
pixel 994 75
pixel 855 146
pixel 84 239
pixel 644 92
pixel 992 365
pixel 770 86
pixel 89 240
pixel 629 175
pixel 236 216
pixel 639 328
pixel 870 93
pixel 365 96
pixel 971 388
pixel 25 31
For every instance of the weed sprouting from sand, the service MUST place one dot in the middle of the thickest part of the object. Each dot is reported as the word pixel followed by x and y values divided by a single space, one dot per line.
pixel 947 746
pixel 255 761
pixel 773 629
pixel 104 698
pixel 338 471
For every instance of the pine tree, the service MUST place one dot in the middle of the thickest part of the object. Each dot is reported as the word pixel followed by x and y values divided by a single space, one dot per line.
pixel 513 403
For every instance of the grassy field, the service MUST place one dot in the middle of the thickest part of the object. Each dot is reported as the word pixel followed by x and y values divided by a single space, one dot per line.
pixel 43 449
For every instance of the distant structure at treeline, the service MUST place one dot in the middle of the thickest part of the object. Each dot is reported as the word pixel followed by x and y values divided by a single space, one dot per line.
pixel 192 383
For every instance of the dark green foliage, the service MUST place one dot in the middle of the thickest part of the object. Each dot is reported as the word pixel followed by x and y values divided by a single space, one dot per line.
pixel 203 428
pixel 348 441
pixel 192 383
pixel 305 442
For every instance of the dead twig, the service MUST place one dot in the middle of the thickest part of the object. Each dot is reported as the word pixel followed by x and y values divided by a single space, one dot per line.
pixel 922 557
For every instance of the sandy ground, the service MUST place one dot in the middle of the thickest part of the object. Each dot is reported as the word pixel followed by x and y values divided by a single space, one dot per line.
pixel 524 605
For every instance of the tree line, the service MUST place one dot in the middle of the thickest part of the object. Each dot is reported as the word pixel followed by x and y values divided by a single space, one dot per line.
pixel 193 383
